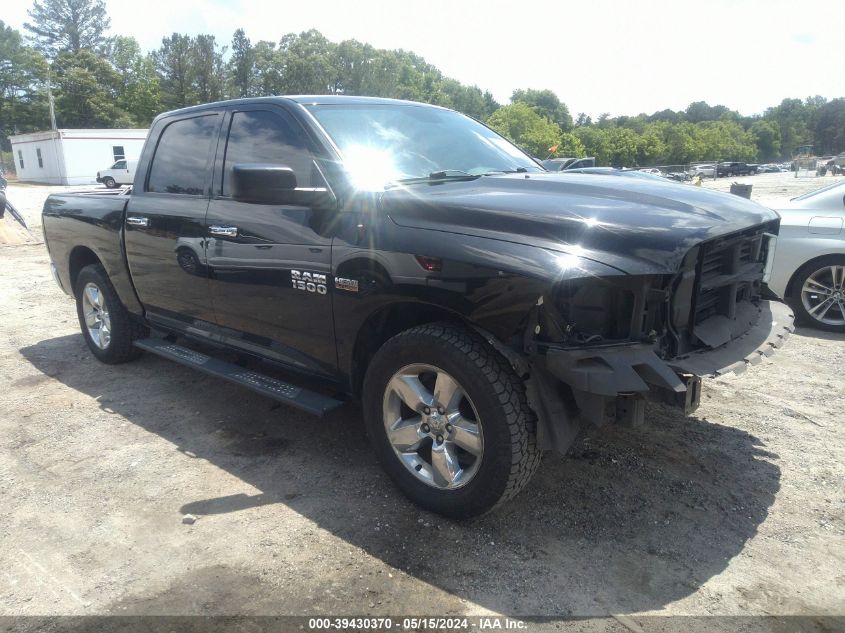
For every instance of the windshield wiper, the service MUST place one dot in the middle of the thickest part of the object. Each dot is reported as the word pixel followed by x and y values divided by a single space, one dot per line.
pixel 440 176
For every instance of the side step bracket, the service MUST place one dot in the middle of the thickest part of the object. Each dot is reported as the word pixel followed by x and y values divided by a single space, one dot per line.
pixel 295 396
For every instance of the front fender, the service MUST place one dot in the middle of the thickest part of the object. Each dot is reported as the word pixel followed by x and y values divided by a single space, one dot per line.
pixel 487 283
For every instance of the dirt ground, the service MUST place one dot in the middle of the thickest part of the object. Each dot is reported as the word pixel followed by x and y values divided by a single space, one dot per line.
pixel 738 510
pixel 771 189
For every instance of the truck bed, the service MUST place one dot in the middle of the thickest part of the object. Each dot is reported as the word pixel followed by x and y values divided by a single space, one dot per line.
pixel 95 219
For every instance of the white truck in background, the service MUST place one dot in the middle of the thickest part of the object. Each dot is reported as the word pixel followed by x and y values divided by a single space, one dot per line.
pixel 121 173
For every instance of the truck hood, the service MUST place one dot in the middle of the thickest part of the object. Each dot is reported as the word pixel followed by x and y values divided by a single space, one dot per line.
pixel 637 225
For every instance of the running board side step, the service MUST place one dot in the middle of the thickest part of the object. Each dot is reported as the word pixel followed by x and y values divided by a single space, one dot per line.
pixel 295 396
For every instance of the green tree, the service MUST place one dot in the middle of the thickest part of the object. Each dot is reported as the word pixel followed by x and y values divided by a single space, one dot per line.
pixel 726 140
pixel 306 63
pixel 683 144
pixel 570 146
pixel 610 145
pixel 241 65
pixel 520 124
pixel 767 138
pixel 266 79
pixel 23 72
pixel 123 52
pixel 604 120
pixel 139 89
pixel 545 103
pixel 667 116
pixel 583 120
pixel 467 99
pixel 86 90
pixel 794 118
pixel 700 111
pixel 490 103
pixel 173 64
pixel 207 69
pixel 830 127
pixel 651 146
pixel 59 26
pixel 142 97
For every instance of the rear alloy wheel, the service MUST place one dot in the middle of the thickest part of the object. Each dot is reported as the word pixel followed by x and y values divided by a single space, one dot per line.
pixel 819 296
pixel 96 313
pixel 449 420
pixel 108 328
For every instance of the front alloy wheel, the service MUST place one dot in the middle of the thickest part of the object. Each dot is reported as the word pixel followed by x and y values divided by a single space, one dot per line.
pixel 433 426
pixel 823 295
pixel 449 420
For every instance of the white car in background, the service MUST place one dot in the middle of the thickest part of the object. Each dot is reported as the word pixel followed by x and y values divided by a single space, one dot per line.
pixel 808 267
pixel 121 173
pixel 705 171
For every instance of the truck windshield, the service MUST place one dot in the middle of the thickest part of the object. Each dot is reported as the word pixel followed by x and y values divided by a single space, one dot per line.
pixel 384 143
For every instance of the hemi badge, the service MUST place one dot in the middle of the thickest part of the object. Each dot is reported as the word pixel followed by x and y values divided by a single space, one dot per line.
pixel 341 283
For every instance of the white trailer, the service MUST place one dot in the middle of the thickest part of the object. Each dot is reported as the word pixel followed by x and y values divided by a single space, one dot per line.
pixel 72 157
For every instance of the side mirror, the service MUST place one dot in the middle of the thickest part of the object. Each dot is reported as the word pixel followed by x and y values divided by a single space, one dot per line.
pixel 276 184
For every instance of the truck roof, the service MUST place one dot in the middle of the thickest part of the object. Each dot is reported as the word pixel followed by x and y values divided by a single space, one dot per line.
pixel 303 99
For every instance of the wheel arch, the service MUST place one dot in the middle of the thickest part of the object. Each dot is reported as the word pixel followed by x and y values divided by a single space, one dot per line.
pixel 793 278
pixel 388 321
pixel 79 258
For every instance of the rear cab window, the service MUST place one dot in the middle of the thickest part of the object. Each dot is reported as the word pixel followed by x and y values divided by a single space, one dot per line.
pixel 180 163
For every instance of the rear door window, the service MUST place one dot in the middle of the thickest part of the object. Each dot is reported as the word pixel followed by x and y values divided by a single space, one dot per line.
pixel 180 164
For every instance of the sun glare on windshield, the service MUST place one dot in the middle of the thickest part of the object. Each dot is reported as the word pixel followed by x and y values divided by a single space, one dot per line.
pixel 369 168
pixel 383 143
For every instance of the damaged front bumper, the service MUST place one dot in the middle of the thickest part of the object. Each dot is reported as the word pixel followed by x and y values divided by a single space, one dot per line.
pixel 603 385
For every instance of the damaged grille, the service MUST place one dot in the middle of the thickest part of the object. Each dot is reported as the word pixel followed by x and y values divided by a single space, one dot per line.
pixel 723 295
pixel 729 273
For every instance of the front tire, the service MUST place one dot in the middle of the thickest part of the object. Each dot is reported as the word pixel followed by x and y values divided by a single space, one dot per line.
pixel 818 295
pixel 106 325
pixel 449 420
pixel 109 182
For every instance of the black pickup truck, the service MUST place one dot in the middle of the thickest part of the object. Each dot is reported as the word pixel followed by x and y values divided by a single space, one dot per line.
pixel 483 309
pixel 735 169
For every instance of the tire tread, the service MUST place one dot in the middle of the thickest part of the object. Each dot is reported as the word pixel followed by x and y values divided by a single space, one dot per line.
pixel 508 388
pixel 125 330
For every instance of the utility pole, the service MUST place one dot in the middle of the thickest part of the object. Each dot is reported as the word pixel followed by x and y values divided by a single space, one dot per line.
pixel 52 106
pixel 55 129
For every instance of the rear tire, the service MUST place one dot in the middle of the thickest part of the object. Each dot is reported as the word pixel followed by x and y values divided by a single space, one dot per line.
pixel 490 447
pixel 107 327
pixel 818 294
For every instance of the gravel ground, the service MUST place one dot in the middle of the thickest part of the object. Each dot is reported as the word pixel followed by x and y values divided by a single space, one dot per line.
pixel 737 510
pixel 771 189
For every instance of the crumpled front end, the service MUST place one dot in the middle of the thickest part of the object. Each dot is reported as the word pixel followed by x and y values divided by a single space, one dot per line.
pixel 599 348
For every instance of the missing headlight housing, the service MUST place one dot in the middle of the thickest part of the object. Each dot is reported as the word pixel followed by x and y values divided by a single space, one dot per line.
pixel 600 310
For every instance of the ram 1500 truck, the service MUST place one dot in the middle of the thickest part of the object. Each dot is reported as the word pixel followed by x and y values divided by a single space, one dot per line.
pixel 483 309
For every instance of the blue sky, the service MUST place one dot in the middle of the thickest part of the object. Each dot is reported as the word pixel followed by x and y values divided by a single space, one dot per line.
pixel 620 57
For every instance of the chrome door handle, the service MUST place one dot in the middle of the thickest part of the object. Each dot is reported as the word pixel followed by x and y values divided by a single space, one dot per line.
pixel 226 231
pixel 137 221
